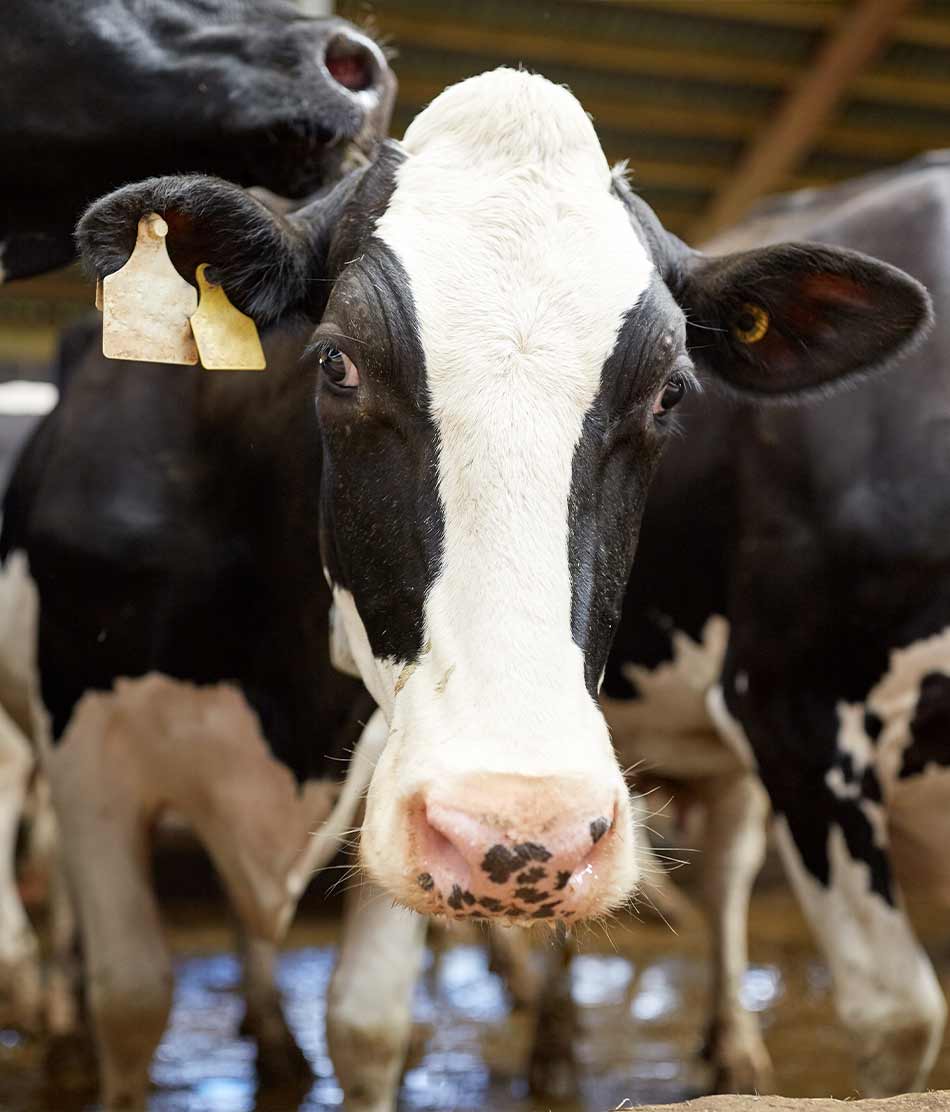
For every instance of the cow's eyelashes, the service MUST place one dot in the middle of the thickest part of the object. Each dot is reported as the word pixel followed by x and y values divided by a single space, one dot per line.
pixel 337 368
pixel 671 395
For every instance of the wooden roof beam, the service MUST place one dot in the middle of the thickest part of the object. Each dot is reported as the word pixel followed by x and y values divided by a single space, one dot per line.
pixel 779 149
pixel 509 46
pixel 636 118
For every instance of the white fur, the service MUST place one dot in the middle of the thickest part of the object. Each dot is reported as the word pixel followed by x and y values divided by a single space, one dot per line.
pixel 522 265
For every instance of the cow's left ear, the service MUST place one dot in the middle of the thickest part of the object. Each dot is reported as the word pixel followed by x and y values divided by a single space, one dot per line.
pixel 271 264
pixel 798 317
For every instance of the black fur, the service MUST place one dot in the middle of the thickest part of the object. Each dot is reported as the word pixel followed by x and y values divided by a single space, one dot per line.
pixel 819 531
pixel 95 94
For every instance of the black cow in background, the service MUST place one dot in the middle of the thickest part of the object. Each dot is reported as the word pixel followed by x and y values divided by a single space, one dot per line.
pixel 94 93
pixel 787 620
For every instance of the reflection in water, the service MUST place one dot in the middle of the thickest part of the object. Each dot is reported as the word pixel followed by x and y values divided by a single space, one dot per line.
pixel 641 1011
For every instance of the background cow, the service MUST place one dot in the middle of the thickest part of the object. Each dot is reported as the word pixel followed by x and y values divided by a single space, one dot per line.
pixel 96 93
pixel 503 336
pixel 797 553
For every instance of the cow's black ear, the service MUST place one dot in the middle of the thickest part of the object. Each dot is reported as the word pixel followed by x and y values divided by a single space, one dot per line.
pixel 269 262
pixel 798 317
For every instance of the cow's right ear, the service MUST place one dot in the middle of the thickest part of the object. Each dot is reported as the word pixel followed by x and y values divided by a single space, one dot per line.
pixel 269 263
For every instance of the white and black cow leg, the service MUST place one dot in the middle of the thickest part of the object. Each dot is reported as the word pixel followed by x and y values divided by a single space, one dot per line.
pixel 279 1059
pixel 19 955
pixel 886 991
pixel 369 1019
pixel 552 1071
pixel 736 815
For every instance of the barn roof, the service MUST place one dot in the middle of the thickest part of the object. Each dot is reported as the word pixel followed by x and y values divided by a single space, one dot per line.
pixel 712 102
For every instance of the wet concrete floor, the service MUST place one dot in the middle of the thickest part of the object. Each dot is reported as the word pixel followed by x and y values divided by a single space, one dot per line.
pixel 642 1003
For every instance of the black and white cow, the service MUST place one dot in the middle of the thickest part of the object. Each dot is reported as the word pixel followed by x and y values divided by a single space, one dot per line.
pixel 805 563
pixel 98 92
pixel 465 453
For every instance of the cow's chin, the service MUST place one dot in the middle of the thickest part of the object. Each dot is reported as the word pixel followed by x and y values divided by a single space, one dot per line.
pixel 517 881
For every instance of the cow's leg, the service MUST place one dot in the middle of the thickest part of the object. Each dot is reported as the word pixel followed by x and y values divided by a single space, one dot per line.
pixel 369 1019
pixel 19 954
pixel 512 957
pixel 128 969
pixel 102 799
pixel 46 865
pixel 886 992
pixel 736 816
pixel 832 833
pixel 62 985
pixel 552 1070
pixel 279 1058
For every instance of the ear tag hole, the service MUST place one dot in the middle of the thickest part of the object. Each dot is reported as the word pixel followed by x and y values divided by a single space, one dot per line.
pixel 146 303
pixel 227 339
pixel 751 324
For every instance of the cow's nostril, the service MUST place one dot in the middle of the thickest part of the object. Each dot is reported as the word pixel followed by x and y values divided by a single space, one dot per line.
pixel 351 63
pixel 445 864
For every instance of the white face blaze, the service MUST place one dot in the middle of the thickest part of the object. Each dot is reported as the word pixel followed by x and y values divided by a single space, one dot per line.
pixel 522 265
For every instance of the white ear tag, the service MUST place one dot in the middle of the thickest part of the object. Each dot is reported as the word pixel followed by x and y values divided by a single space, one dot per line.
pixel 227 339
pixel 146 304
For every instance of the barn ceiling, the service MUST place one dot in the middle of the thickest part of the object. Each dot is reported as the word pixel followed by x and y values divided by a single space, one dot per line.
pixel 712 102
pixel 686 89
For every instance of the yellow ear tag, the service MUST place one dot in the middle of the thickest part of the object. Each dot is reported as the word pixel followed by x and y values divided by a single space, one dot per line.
pixel 146 304
pixel 227 339
pixel 752 325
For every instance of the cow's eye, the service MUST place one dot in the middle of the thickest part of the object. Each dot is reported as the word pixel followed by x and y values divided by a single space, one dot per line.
pixel 338 368
pixel 671 394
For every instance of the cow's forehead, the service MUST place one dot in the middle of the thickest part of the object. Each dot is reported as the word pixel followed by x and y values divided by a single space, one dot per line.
pixel 518 253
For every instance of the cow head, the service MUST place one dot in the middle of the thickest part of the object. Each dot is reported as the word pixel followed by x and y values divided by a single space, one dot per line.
pixel 97 93
pixel 504 333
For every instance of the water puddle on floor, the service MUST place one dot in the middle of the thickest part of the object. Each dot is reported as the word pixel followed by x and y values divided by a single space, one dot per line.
pixel 641 998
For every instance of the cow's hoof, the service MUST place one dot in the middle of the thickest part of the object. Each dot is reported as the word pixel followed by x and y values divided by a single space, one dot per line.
pixel 280 1061
pixel 553 1079
pixel 70 1059
pixel 21 993
pixel 740 1061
